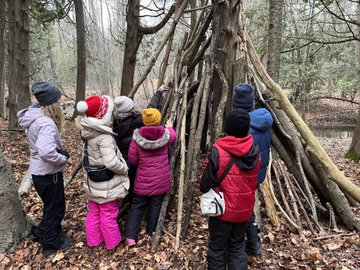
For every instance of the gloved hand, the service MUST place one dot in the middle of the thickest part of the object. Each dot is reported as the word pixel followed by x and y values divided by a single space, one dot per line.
pixel 63 152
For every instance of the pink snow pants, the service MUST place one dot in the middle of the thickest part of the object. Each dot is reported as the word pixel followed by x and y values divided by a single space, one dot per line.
pixel 101 224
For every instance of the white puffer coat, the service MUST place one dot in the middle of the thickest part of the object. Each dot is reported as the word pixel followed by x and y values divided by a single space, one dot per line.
pixel 102 150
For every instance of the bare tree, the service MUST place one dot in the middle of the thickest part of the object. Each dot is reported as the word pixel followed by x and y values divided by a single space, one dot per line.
pixel 276 8
pixel 354 150
pixel 134 35
pixel 2 58
pixel 18 46
pixel 81 52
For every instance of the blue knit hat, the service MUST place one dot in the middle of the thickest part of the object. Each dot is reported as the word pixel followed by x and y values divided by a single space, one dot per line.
pixel 243 97
pixel 45 92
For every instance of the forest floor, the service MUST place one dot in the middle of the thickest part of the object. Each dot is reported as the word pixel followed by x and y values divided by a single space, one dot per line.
pixel 283 247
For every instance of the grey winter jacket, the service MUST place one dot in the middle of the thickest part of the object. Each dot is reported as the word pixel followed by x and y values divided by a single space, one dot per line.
pixel 44 140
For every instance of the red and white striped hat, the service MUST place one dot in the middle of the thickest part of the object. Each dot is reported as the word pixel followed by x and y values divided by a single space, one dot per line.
pixel 97 108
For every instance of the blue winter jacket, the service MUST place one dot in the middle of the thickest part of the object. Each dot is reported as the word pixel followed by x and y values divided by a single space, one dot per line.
pixel 260 124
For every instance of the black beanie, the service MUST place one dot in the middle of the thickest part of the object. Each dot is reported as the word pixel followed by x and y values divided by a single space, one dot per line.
pixel 243 97
pixel 45 92
pixel 237 123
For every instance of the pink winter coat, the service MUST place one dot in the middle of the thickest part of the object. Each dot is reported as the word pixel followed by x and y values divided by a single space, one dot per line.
pixel 149 151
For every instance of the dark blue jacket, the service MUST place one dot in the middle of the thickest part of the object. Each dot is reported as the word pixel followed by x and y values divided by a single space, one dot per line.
pixel 260 124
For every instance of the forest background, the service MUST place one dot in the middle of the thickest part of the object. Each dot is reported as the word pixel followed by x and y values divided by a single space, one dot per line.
pixel 310 48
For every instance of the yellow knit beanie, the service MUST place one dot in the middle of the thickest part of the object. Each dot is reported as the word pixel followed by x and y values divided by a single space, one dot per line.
pixel 151 117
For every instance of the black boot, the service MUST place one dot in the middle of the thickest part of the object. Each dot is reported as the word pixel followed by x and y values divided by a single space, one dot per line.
pixel 252 245
pixel 49 249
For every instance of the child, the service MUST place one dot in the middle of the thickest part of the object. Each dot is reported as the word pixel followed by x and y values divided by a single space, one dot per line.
pixel 226 242
pixel 126 119
pixel 149 151
pixel 103 196
pixel 43 124
pixel 260 125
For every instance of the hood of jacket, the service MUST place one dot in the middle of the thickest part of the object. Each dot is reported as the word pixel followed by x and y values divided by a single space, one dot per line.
pixel 243 148
pixel 27 116
pixel 236 146
pixel 90 130
pixel 151 137
pixel 261 119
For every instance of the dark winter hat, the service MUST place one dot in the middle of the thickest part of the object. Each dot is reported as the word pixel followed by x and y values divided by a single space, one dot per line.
pixel 237 123
pixel 45 92
pixel 243 97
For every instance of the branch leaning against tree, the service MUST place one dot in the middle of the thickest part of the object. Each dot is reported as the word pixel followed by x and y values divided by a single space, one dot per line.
pixel 312 143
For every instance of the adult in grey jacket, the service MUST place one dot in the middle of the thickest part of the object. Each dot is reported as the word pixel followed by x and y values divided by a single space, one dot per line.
pixel 47 161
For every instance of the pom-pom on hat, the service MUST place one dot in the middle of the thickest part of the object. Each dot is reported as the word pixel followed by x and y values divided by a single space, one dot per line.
pixel 237 123
pixel 98 109
pixel 151 117
pixel 243 97
pixel 123 104
pixel 45 93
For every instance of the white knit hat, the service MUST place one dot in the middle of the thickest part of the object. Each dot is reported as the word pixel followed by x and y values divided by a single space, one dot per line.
pixel 123 104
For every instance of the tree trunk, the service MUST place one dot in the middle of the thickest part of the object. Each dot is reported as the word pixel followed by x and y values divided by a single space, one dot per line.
pixel 14 225
pixel 224 44
pixel 354 151
pixel 19 94
pixel 134 35
pixel 2 57
pixel 132 43
pixel 81 53
pixel 274 38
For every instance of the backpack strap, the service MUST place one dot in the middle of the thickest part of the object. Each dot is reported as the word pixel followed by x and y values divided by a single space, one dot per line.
pixel 226 171
pixel 86 154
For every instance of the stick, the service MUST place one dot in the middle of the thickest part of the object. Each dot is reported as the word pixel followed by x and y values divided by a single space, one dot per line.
pixel 25 184
pixel 282 210
pixel 182 170
pixel 73 173
pixel 333 236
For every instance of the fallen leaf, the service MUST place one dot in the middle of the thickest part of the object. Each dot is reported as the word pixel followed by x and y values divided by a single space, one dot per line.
pixel 58 257
pixel 333 246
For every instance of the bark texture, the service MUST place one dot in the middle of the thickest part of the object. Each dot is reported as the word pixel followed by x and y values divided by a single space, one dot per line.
pixel 14 225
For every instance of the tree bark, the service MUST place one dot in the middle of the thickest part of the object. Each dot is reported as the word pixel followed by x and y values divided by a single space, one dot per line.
pixel 354 151
pixel 81 53
pixel 224 44
pixel 2 57
pixel 18 46
pixel 274 38
pixel 13 225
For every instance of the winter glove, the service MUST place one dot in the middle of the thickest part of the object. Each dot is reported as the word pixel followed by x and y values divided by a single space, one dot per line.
pixel 63 152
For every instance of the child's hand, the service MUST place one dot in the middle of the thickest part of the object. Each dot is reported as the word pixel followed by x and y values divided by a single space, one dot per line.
pixel 164 88
pixel 169 124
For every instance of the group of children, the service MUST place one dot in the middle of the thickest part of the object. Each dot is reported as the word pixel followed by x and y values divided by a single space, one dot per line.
pixel 134 147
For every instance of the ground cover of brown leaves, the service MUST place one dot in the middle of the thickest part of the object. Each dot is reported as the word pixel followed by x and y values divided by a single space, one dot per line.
pixel 283 248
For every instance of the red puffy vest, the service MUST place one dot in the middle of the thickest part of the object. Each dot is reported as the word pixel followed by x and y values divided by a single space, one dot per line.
pixel 238 187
